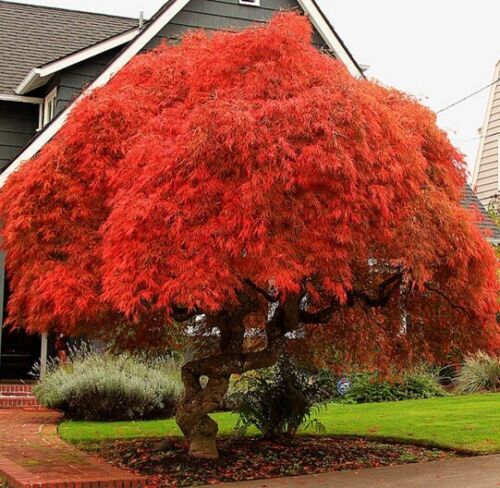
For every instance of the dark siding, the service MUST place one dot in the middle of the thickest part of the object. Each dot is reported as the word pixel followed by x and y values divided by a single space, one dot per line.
pixel 2 298
pixel 19 121
pixel 214 15
pixel 18 124
pixel 72 81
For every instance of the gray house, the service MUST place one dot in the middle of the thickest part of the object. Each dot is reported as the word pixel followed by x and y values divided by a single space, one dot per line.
pixel 50 57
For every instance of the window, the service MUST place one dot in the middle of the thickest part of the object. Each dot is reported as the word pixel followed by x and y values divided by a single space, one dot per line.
pixel 49 107
pixel 253 3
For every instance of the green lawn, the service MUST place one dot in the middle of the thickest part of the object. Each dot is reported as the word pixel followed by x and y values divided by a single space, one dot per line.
pixel 470 423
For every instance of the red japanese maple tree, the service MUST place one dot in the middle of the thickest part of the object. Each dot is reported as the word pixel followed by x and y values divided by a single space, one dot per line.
pixel 247 177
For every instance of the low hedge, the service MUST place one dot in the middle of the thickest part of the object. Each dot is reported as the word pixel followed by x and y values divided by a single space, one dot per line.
pixel 411 385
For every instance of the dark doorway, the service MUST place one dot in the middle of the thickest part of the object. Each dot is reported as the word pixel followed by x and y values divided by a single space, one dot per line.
pixel 19 352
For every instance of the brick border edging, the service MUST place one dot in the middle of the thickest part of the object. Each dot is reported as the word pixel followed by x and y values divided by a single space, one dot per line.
pixel 19 477
pixel 11 472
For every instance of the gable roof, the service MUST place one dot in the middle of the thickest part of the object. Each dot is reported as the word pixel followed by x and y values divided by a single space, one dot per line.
pixel 32 36
pixel 471 201
pixel 164 15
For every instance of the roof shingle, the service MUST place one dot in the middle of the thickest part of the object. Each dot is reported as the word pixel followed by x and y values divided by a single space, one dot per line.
pixel 32 36
pixel 471 201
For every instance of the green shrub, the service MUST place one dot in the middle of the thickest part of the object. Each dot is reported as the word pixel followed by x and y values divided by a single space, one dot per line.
pixel 480 372
pixel 280 399
pixel 95 385
pixel 412 385
pixel 238 387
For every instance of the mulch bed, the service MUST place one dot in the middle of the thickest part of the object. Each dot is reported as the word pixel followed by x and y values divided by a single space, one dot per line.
pixel 166 463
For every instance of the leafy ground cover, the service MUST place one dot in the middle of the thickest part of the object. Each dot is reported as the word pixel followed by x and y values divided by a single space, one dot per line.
pixel 466 423
pixel 166 463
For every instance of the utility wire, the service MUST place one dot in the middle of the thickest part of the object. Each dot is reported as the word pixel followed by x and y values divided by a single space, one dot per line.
pixel 467 97
pixel 480 137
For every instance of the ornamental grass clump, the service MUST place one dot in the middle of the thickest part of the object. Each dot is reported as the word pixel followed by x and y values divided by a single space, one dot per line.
pixel 480 372
pixel 95 385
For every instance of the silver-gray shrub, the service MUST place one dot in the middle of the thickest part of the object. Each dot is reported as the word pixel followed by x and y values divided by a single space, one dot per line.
pixel 97 385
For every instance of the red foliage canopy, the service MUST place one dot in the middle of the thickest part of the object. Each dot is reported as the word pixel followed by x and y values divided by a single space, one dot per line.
pixel 246 157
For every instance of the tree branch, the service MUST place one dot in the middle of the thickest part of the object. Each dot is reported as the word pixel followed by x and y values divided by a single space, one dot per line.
pixel 320 317
pixel 385 290
pixel 448 299
pixel 268 296
pixel 238 362
pixel 180 314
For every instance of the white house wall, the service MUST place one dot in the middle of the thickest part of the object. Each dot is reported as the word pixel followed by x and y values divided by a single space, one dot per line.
pixel 486 181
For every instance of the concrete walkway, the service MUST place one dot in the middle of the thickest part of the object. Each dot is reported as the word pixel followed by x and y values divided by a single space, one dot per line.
pixel 474 472
pixel 33 456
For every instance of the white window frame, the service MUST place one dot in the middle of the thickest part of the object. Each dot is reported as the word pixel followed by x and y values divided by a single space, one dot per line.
pixel 250 3
pixel 49 107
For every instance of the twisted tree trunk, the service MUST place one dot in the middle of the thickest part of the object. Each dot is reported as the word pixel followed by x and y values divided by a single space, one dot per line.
pixel 192 414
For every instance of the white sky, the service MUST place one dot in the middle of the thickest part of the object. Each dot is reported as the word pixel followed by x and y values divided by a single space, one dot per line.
pixel 437 50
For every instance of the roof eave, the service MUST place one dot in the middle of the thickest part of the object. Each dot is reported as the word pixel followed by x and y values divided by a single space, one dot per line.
pixel 328 33
pixel 38 77
pixel 29 83
pixel 4 97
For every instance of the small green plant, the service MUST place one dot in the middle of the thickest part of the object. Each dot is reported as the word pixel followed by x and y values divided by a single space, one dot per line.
pixel 3 482
pixel 412 385
pixel 238 386
pixel 480 372
pixel 279 400
pixel 408 457
pixel 96 385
